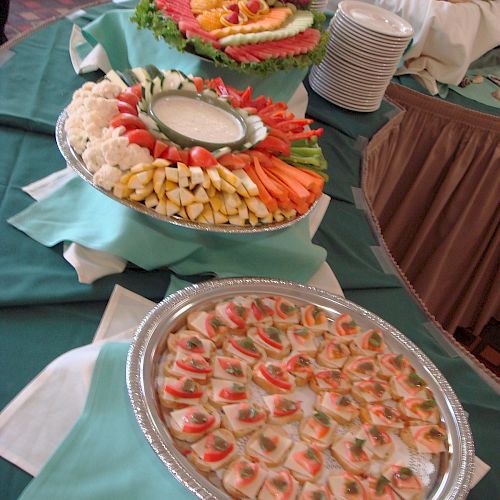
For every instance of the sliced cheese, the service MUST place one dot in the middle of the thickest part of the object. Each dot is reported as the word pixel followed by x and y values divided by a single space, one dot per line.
pixel 220 373
pixel 277 454
pixel 218 386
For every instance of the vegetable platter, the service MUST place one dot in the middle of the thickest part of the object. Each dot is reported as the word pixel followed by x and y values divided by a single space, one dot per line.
pixel 257 388
pixel 114 135
pixel 250 36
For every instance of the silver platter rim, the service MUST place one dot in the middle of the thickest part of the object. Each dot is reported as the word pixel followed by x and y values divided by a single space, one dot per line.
pixel 75 161
pixel 454 481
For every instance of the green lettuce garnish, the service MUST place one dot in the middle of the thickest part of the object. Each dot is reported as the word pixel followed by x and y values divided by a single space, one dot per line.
pixel 147 16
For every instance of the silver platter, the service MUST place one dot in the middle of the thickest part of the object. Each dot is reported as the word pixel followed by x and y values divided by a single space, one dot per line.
pixel 454 469
pixel 75 161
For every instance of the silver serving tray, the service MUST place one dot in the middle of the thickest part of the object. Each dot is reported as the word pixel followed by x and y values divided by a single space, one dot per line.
pixel 75 161
pixel 454 469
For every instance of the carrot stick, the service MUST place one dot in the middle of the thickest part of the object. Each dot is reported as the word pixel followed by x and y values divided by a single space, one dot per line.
pixel 294 186
pixel 274 189
pixel 297 202
pixel 310 180
pixel 270 203
pixel 319 182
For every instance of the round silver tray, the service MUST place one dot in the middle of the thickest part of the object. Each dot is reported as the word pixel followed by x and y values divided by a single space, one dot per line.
pixel 454 469
pixel 75 161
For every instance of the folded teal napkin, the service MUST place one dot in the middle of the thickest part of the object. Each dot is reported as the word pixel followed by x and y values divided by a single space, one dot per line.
pixel 106 454
pixel 77 212
pixel 128 47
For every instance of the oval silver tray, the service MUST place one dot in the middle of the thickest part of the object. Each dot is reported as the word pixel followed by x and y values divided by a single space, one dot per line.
pixel 454 470
pixel 75 161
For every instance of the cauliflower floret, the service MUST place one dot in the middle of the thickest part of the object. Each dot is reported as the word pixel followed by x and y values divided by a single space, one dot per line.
pixel 74 120
pixel 114 150
pixel 106 89
pixel 93 157
pixel 88 85
pixel 81 93
pixel 118 131
pixel 78 139
pixel 105 107
pixel 134 154
pixel 107 176
pixel 76 105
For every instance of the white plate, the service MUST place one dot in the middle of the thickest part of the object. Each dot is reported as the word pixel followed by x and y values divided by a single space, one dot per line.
pixel 349 82
pixel 366 62
pixel 366 38
pixel 339 66
pixel 337 42
pixel 376 19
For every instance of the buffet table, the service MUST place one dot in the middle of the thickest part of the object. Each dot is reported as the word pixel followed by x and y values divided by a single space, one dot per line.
pixel 46 312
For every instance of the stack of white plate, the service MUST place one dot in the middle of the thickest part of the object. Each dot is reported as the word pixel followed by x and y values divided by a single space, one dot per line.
pixel 319 5
pixel 366 44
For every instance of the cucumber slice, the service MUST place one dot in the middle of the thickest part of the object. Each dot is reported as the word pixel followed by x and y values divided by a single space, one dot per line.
pixel 152 71
pixel 294 25
pixel 188 85
pixel 113 77
pixel 172 80
pixel 128 77
pixel 157 84
pixel 141 74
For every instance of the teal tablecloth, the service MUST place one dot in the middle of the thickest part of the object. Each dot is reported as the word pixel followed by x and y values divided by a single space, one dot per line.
pixel 45 311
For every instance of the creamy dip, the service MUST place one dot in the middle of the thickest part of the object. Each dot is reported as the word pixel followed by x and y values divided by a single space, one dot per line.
pixel 198 119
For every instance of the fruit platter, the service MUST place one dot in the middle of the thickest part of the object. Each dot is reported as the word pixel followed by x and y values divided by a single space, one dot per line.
pixel 257 388
pixel 250 36
pixel 193 152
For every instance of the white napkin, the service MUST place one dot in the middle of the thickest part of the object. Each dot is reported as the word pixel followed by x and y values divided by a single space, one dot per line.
pixel 448 36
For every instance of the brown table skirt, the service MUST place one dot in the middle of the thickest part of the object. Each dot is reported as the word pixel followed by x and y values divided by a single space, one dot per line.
pixel 431 178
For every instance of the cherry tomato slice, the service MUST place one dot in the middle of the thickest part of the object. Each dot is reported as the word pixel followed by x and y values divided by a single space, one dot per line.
pixel 142 138
pixel 230 395
pixel 127 120
pixel 262 334
pixel 191 426
pixel 284 407
pixel 195 364
pixel 240 348
pixel 191 344
pixel 216 448
pixel 274 380
pixel 233 313
pixel 177 391
pixel 310 460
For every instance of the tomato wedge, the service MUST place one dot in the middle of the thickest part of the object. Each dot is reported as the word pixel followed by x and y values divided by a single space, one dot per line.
pixel 216 448
pixel 136 89
pixel 201 157
pixel 127 120
pixel 142 138
pixel 236 392
pixel 159 149
pixel 239 345
pixel 125 107
pixel 272 374
pixel 195 364
pixel 237 314
pixel 184 388
pixel 129 97
pixel 196 421
pixel 198 83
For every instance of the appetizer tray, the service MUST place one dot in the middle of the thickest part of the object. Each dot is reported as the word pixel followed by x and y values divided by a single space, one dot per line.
pixel 444 473
pixel 75 161
pixel 196 153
